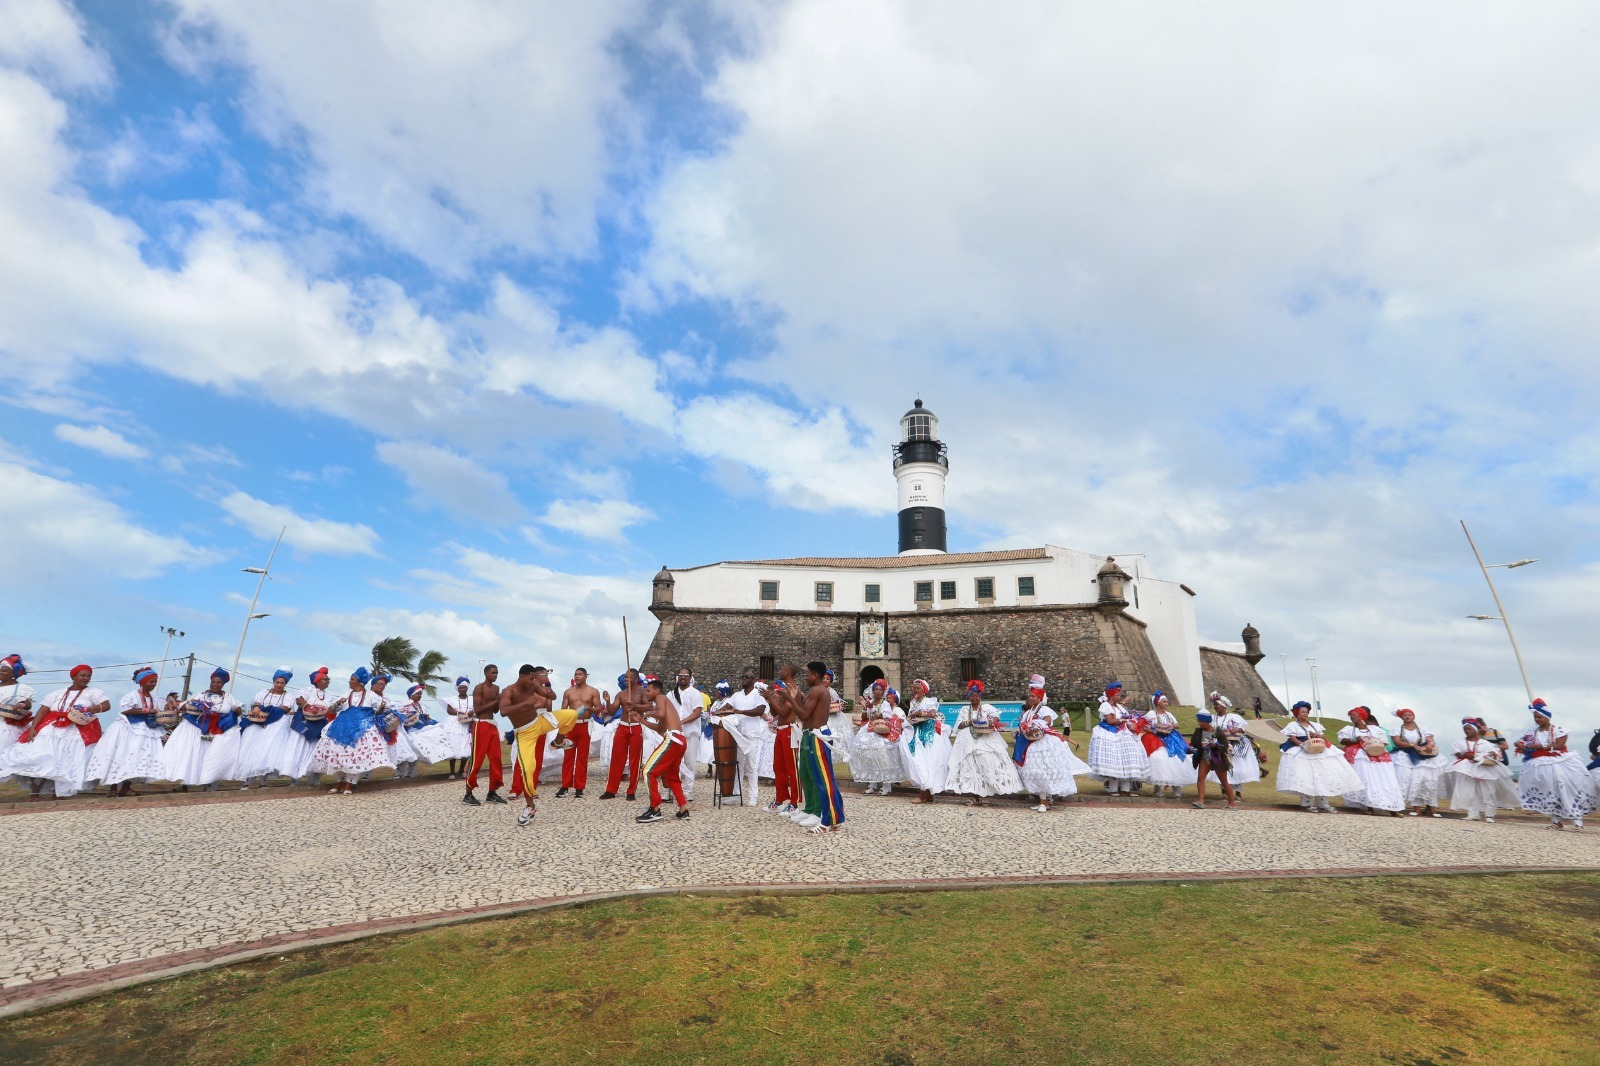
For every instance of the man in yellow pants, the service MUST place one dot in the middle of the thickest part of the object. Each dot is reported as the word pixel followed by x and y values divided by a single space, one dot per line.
pixel 527 703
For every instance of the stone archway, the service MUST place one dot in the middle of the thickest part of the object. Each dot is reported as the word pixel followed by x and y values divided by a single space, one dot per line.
pixel 869 674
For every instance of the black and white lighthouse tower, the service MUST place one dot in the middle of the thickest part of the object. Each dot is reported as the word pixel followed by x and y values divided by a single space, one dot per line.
pixel 920 467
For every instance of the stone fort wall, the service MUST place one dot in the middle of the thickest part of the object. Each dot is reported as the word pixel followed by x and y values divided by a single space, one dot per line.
pixel 1077 649
pixel 1231 674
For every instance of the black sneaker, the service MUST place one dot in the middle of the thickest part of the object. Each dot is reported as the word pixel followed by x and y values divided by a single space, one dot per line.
pixel 577 793
pixel 562 791
pixel 473 801
pixel 631 795
pixel 608 795
pixel 653 814
pixel 494 797
pixel 681 815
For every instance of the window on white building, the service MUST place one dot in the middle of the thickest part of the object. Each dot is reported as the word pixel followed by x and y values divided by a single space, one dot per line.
pixel 947 590
pixel 1024 586
pixel 824 591
pixel 769 592
pixel 874 594
pixel 984 586
pixel 924 591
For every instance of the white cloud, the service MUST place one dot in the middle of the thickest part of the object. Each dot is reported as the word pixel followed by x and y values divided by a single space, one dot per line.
pixel 596 519
pixel 100 439
pixel 444 631
pixel 318 536
pixel 447 131
pixel 46 37
pixel 65 535
pixel 452 483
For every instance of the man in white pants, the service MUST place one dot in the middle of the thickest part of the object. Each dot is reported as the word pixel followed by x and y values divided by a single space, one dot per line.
pixel 742 715
pixel 688 701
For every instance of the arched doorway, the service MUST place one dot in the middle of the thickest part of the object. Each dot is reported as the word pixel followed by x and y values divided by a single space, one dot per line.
pixel 869 674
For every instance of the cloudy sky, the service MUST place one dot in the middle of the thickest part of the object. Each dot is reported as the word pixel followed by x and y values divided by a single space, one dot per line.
pixel 498 307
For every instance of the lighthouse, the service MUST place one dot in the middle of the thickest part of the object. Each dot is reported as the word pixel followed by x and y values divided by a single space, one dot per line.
pixel 920 467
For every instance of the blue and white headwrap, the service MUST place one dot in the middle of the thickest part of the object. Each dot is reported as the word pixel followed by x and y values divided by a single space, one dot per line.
pixel 15 662
pixel 1300 704
pixel 287 675
pixel 622 681
pixel 361 674
pixel 220 673
pixel 381 677
pixel 415 690
pixel 1539 707
pixel 1203 717
pixel 143 672
pixel 463 680
pixel 724 689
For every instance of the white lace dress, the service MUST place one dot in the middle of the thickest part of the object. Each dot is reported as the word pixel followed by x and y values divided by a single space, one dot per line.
pixel 194 757
pixel 13 695
pixel 455 725
pixel 130 750
pixel 1115 755
pixel 1480 782
pixel 1167 768
pixel 58 751
pixel 1245 768
pixel 1312 776
pixel 1380 787
pixel 1419 781
pixel 980 765
pixel 1045 769
pixel 262 747
pixel 1558 784
pixel 925 746
pixel 876 759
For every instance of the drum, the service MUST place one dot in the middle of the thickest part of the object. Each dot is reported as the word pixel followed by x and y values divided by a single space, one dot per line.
pixel 725 759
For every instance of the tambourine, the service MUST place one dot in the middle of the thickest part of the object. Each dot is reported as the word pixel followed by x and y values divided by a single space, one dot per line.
pixel 1488 758
pixel 1315 746
pixel 256 714
pixel 77 717
pixel 1033 733
pixel 881 728
pixel 1374 750
pixel 166 719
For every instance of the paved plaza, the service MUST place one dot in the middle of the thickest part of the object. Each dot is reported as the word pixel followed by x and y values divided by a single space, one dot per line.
pixel 127 888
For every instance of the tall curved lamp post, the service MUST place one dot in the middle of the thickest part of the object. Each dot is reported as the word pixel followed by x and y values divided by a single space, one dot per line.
pixel 1502 616
pixel 250 615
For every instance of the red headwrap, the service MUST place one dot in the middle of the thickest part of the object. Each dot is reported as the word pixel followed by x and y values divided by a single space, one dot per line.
pixel 80 667
pixel 1361 713
pixel 974 686
pixel 1402 712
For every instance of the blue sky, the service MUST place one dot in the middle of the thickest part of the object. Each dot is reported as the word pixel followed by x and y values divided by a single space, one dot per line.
pixel 500 307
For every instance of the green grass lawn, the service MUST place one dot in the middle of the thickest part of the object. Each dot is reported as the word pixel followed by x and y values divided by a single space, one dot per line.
pixel 1403 970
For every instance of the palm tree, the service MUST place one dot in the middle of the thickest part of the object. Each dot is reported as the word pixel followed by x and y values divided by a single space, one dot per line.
pixel 397 655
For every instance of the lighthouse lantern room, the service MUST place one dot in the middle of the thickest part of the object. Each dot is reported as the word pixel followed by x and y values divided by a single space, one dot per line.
pixel 920 467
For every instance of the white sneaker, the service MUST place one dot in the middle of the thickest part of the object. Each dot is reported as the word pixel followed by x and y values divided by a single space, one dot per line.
pixel 1474 816
pixel 1489 820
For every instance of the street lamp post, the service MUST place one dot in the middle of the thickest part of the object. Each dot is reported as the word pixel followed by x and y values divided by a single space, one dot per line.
pixel 250 615
pixel 1316 694
pixel 1283 657
pixel 161 667
pixel 1515 650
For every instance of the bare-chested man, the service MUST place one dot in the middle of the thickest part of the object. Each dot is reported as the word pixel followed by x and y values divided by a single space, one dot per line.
pixel 583 698
pixel 824 807
pixel 526 703
pixel 664 762
pixel 486 738
pixel 785 701
pixel 627 743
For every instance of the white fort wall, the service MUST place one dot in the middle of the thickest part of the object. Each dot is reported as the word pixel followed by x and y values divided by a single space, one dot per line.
pixel 1061 577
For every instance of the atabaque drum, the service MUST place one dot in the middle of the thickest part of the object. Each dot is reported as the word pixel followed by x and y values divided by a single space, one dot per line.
pixel 725 758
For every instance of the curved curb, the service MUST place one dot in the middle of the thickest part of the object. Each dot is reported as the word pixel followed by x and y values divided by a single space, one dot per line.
pixel 71 988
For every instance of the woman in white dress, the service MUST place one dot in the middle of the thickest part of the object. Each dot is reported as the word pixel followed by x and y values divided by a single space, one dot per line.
pixel 924 743
pixel 1366 749
pixel 352 744
pixel 427 737
pixel 264 729
pixel 1480 780
pixel 1418 765
pixel 385 707
pixel 457 713
pixel 1245 766
pixel 204 748
pixel 1040 750
pixel 305 729
pixel 55 748
pixel 980 765
pixel 876 760
pixel 1170 769
pixel 130 750
pixel 1554 780
pixel 838 719
pixel 1311 767
pixel 16 705
pixel 1116 757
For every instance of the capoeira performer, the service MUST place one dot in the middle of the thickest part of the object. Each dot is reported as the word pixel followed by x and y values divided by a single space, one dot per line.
pixel 665 759
pixel 1116 756
pixel 130 750
pixel 876 760
pixel 1244 765
pixel 782 739
pixel 1366 749
pixel 204 746
pixel 1040 751
pixel 1166 749
pixel 55 747
pixel 925 743
pixel 305 729
pixel 485 739
pixel 427 737
pixel 742 715
pixel 16 705
pixel 690 704
pixel 583 698
pixel 263 731
pixel 979 763
pixel 527 704
pixel 1554 781
pixel 1418 765
pixel 1210 749
pixel 1309 766
pixel 457 723
pixel 1482 782
pixel 352 744
pixel 824 806
pixel 627 738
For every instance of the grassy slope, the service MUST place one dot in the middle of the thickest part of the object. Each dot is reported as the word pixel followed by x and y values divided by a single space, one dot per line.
pixel 1400 970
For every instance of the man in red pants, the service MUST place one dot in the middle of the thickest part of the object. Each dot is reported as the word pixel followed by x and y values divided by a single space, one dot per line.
pixel 582 698
pixel 664 763
pixel 486 738
pixel 785 774
pixel 627 745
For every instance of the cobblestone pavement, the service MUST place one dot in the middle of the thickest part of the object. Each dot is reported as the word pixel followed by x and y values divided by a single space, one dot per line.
pixel 92 889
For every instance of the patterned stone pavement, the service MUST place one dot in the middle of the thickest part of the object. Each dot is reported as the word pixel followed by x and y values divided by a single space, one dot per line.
pixel 127 889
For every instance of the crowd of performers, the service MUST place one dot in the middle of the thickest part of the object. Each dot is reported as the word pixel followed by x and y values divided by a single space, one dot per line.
pixel 670 733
